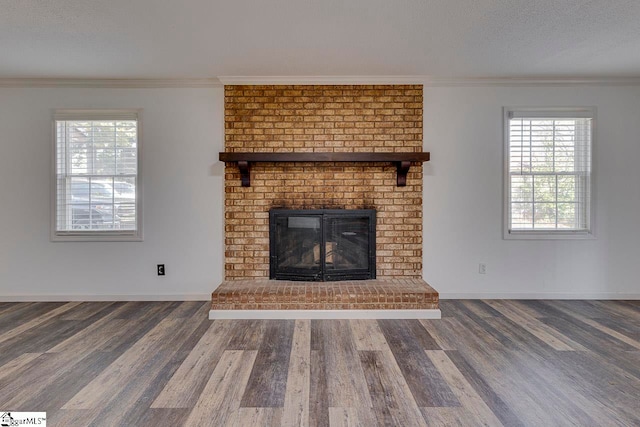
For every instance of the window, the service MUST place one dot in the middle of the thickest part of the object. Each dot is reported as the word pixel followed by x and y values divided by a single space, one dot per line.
pixel 548 172
pixel 97 182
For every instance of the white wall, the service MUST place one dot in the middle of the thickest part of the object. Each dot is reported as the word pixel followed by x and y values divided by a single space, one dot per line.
pixel 183 199
pixel 463 199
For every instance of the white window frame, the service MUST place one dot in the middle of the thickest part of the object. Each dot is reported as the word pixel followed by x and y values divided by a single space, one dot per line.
pixel 547 112
pixel 90 235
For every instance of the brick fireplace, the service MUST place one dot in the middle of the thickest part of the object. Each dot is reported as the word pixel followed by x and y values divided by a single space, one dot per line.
pixel 323 119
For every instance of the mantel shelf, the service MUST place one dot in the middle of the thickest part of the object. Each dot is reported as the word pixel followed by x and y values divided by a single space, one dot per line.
pixel 402 160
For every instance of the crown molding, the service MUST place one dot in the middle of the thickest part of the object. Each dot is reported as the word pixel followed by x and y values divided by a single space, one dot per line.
pixel 431 81
pixel 427 81
pixel 531 81
pixel 111 83
pixel 320 80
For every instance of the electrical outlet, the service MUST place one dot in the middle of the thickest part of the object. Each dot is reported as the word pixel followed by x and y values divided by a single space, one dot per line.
pixel 482 268
pixel 160 269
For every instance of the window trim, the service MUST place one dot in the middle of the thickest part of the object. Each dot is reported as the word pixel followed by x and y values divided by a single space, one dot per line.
pixel 95 236
pixel 559 112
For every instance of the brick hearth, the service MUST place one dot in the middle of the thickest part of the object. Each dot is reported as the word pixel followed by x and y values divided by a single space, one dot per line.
pixel 264 294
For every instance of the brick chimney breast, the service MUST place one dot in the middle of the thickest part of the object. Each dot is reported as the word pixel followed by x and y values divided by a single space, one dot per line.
pixel 323 118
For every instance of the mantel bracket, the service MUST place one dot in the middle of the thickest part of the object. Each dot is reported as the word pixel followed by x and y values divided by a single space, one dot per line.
pixel 245 173
pixel 403 170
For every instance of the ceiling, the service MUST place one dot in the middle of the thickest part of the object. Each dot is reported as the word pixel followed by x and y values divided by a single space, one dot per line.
pixel 134 39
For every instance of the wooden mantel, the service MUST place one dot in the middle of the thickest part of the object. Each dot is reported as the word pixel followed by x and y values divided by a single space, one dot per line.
pixel 402 160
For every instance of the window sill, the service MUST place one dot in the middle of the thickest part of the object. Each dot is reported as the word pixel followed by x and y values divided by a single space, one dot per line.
pixel 97 237
pixel 548 235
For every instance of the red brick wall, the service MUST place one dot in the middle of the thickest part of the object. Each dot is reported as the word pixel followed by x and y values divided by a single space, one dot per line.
pixel 351 118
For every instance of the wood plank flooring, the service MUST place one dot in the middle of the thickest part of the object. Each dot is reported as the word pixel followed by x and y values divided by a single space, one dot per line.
pixel 485 363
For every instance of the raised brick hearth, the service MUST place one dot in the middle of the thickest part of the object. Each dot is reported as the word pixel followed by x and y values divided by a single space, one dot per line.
pixel 376 294
pixel 313 119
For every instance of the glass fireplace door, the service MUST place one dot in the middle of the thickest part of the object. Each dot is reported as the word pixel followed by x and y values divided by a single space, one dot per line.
pixel 348 250
pixel 322 244
pixel 296 246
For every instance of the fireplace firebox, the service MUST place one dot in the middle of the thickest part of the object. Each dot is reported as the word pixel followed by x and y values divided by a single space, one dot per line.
pixel 322 244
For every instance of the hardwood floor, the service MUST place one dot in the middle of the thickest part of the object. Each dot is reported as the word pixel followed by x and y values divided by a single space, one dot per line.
pixel 511 363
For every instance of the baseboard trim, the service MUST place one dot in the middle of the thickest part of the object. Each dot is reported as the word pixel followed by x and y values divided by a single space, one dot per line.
pixel 109 297
pixel 325 314
pixel 207 297
pixel 540 295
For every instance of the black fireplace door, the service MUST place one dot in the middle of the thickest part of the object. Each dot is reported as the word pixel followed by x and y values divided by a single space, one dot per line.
pixel 322 245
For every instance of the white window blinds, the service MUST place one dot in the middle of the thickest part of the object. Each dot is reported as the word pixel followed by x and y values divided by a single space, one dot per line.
pixel 549 171
pixel 96 173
